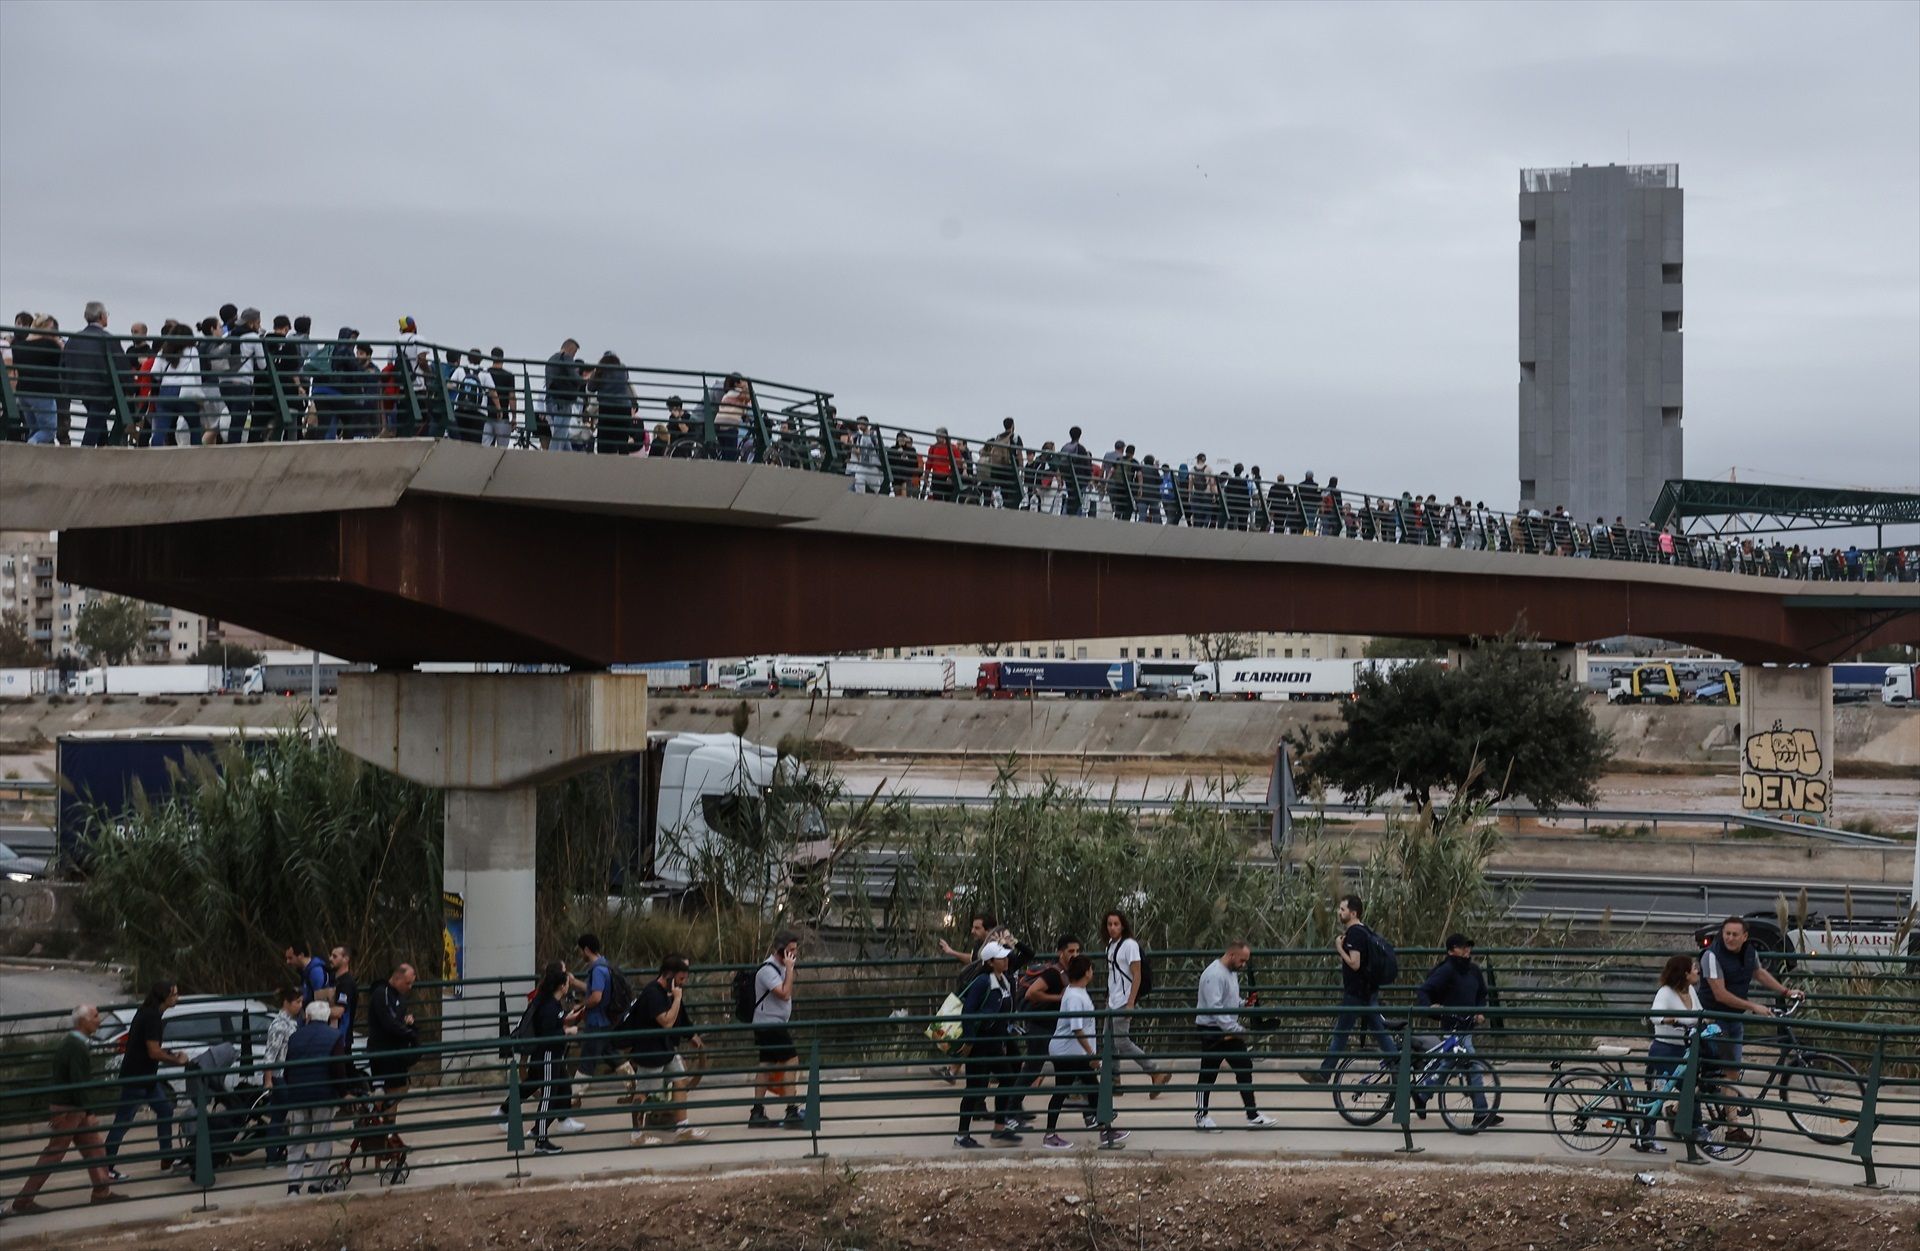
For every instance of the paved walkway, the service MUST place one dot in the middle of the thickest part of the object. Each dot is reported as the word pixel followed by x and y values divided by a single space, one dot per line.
pixel 869 1119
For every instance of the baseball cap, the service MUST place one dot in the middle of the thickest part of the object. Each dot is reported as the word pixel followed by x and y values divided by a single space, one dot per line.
pixel 994 951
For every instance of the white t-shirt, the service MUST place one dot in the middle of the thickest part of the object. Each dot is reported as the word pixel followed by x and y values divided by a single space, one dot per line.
pixel 1121 957
pixel 1076 1013
pixel 1669 1002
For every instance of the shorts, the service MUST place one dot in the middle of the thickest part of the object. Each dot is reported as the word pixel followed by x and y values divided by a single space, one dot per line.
pixel 776 1045
pixel 660 1079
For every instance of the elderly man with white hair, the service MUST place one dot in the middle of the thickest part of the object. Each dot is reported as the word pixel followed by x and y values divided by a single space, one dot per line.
pixel 313 1088
pixel 71 1115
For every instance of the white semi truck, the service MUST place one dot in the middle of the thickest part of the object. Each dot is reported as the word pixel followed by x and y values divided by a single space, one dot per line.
pixel 1280 679
pixel 139 680
pixel 926 675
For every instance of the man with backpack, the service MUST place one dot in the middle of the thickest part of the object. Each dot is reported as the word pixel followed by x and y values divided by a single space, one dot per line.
pixel 608 999
pixel 1128 980
pixel 1002 454
pixel 661 1022
pixel 1076 466
pixel 1367 962
pixel 476 411
pixel 1039 989
pixel 767 1002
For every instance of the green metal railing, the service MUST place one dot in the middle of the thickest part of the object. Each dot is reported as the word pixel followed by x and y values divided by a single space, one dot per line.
pixel 466 1105
pixel 164 389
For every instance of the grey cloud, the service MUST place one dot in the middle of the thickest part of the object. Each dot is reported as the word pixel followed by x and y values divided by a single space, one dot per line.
pixel 1284 234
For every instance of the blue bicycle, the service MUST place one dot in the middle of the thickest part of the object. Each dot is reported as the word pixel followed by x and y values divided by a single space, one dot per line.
pixel 1592 1108
pixel 1447 1073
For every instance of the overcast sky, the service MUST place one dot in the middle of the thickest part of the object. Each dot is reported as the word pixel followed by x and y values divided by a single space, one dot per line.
pixel 1279 233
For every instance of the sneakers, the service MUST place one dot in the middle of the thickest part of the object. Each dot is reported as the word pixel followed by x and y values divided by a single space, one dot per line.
pixel 546 1146
pixel 106 1196
pixel 758 1119
pixel 1205 1124
pixel 1647 1146
pixel 1738 1137
pixel 1089 1121
pixel 1110 1139
pixel 1005 1135
pixel 942 1072
pixel 293 1188
pixel 793 1119
pixel 1488 1120
pixel 114 1174
pixel 1420 1106
pixel 1314 1077
pixel 1054 1142
pixel 966 1142
pixel 1260 1120
pixel 643 1140
pixel 570 1126
pixel 1159 1079
pixel 687 1133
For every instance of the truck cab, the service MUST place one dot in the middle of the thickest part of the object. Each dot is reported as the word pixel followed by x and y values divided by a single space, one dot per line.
pixel 710 799
pixel 1897 687
pixel 1646 684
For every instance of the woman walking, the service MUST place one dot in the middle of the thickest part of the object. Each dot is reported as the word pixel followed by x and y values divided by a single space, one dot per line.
pixel 1076 1060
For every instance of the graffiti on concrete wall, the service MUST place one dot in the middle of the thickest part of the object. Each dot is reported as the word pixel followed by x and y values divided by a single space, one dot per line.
pixel 36 908
pixel 1784 770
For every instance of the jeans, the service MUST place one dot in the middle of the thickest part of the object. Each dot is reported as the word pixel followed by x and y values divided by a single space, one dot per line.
pixel 1476 1085
pixel 560 421
pixel 1125 1048
pixel 1348 1021
pixel 154 1094
pixel 42 417
pixel 1218 1047
pixel 1664 1060
pixel 170 412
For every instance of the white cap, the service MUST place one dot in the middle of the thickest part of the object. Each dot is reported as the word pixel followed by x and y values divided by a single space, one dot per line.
pixel 994 951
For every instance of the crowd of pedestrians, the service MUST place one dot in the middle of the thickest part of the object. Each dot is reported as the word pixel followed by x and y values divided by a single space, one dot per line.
pixel 1014 1018
pixel 229 378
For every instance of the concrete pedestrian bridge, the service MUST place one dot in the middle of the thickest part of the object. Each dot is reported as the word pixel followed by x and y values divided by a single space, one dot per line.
pixel 400 550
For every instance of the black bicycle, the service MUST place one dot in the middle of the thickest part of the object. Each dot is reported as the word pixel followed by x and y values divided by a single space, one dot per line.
pixel 1821 1092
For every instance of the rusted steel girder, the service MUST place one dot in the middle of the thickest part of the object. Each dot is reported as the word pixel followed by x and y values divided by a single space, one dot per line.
pixel 449 578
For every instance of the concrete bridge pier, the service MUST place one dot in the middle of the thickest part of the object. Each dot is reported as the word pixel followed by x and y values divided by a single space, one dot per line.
pixel 488 741
pixel 1786 743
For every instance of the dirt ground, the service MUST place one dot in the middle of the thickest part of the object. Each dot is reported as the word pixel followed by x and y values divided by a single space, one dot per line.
pixel 1083 1203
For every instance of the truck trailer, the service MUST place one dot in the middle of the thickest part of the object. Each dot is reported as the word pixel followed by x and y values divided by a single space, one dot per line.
pixel 1001 678
pixel 928 675
pixel 26 683
pixel 138 680
pixel 1281 679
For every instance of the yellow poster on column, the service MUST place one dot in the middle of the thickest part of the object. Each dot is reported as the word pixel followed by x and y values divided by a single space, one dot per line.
pixel 453 940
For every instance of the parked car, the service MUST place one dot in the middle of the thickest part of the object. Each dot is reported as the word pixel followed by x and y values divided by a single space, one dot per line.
pixel 19 868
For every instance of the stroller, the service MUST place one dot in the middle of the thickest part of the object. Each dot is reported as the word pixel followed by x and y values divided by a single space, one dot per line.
pixel 237 1117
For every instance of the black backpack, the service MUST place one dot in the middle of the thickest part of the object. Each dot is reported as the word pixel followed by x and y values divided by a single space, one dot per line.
pixel 745 1002
pixel 1146 976
pixel 1382 964
pixel 618 1001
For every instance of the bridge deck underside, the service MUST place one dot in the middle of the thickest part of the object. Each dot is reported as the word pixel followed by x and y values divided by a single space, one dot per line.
pixel 447 578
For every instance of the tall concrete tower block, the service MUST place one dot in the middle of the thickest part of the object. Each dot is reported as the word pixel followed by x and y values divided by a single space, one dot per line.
pixel 1600 310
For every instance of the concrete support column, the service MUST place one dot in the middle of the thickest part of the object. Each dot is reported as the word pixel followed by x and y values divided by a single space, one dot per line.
pixel 1786 743
pixel 489 866
pixel 488 741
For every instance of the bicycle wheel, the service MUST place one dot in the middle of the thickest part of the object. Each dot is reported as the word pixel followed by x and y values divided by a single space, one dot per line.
pixel 1363 1089
pixel 1823 1095
pixel 687 449
pixel 1729 1132
pixel 1457 1091
pixel 1587 1110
